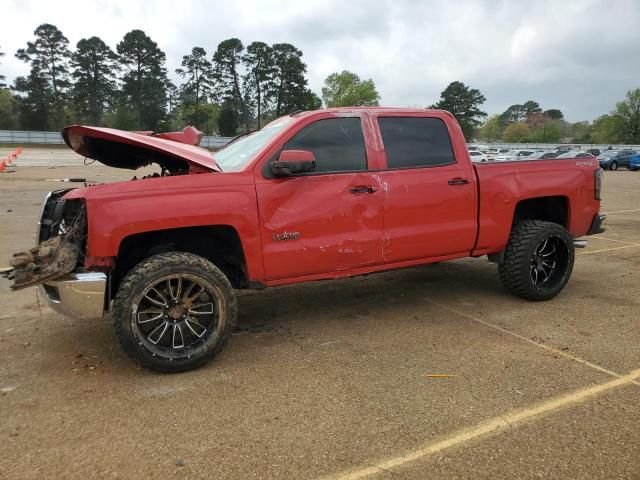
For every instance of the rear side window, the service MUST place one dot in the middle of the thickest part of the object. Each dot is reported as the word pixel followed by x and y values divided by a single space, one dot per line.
pixel 337 144
pixel 415 142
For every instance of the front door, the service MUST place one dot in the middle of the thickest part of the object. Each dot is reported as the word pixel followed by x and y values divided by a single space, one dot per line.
pixel 328 220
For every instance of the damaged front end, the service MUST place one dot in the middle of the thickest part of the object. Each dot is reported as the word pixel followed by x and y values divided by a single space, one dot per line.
pixel 61 236
pixel 56 264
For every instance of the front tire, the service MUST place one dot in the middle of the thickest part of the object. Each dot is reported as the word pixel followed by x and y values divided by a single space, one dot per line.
pixel 174 312
pixel 613 166
pixel 538 260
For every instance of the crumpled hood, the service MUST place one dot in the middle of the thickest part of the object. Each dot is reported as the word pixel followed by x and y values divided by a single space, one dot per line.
pixel 131 150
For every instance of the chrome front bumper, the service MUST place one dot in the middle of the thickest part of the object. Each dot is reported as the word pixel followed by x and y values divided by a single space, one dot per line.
pixel 77 294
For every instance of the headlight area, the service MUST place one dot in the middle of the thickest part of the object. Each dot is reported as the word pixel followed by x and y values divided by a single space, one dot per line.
pixel 61 245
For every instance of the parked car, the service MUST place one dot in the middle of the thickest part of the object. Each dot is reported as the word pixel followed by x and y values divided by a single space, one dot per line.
pixel 594 151
pixel 513 155
pixel 614 159
pixel 544 155
pixel 575 154
pixel 477 156
pixel 634 162
pixel 315 195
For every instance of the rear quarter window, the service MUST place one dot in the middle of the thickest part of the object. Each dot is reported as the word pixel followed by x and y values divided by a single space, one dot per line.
pixel 416 142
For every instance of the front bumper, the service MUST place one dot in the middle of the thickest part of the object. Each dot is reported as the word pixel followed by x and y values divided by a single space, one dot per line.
pixel 77 294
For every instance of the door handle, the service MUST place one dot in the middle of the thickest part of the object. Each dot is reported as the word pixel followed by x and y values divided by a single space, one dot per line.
pixel 458 181
pixel 363 189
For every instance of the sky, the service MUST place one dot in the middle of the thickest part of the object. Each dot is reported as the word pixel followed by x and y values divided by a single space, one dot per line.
pixel 579 56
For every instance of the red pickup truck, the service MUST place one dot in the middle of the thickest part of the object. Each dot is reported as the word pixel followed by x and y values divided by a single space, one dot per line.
pixel 313 195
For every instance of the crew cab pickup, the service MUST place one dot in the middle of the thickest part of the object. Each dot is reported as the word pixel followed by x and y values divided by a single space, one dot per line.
pixel 314 195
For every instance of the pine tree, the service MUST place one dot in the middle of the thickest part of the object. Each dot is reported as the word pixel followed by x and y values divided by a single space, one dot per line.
pixel 464 103
pixel 258 61
pixel 144 84
pixel 227 62
pixel 95 81
pixel 197 89
pixel 48 81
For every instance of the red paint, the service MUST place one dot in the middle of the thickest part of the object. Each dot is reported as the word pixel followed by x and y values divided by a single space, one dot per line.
pixel 313 227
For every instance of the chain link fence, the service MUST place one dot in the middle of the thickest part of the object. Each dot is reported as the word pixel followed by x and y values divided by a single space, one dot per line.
pixel 54 138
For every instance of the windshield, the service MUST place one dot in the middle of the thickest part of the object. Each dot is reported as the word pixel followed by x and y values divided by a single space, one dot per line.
pixel 238 154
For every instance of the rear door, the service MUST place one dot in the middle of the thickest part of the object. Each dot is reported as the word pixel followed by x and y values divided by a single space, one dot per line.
pixel 429 192
pixel 328 220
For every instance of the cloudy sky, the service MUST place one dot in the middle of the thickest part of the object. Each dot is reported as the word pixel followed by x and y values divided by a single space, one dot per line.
pixel 580 56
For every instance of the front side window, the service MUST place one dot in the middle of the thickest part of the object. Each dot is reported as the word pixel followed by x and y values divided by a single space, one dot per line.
pixel 336 143
pixel 416 142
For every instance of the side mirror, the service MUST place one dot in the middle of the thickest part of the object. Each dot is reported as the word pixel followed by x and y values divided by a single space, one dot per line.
pixel 292 162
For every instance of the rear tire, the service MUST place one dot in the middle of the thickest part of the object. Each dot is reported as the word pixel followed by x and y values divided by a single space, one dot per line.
pixel 613 166
pixel 538 260
pixel 174 312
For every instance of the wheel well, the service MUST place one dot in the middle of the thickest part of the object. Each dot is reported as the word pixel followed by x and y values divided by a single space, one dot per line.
pixel 549 209
pixel 219 244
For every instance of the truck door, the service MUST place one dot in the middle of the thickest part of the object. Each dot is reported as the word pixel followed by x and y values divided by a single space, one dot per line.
pixel 327 220
pixel 429 195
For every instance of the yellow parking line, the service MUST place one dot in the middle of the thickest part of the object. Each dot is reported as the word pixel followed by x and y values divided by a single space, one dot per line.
pixel 623 211
pixel 555 351
pixel 613 240
pixel 609 249
pixel 496 424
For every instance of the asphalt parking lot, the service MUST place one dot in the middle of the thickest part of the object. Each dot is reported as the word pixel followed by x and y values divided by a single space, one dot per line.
pixel 335 379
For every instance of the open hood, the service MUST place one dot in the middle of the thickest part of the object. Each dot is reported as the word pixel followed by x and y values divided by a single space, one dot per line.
pixel 175 152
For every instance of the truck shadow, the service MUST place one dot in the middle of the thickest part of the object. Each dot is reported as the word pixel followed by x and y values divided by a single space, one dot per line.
pixel 279 308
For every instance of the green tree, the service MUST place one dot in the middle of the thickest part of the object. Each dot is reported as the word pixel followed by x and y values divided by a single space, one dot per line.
pixel 490 131
pixel 228 121
pixel 49 57
pixel 144 84
pixel 208 114
pixel 173 94
pixel 288 90
pixel 515 113
pixel 227 61
pixel 606 129
pixel 531 107
pixel 260 66
pixel 554 114
pixel 197 89
pixel 628 114
pixel 310 101
pixel 35 103
pixel 94 72
pixel 345 89
pixel 516 133
pixel 547 132
pixel 9 113
pixel 464 103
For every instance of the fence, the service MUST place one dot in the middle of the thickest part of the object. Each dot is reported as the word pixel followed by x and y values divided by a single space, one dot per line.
pixel 54 138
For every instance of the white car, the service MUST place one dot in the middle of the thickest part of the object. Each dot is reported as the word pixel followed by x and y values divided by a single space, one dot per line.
pixel 477 156
pixel 512 155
